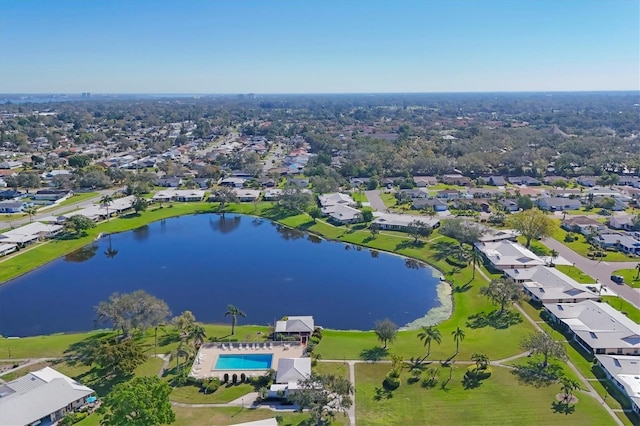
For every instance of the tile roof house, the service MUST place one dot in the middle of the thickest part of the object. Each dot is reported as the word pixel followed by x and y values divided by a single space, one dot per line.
pixel 558 203
pixel 598 327
pixel 624 372
pixel 582 224
pixel 624 243
pixel 621 222
pixel 548 285
pixel 40 397
pixel 508 255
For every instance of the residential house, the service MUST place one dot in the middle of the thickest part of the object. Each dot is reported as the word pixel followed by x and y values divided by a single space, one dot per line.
pixel 624 373
pixel 483 192
pixel 400 222
pixel 558 204
pixel 234 182
pixel 300 326
pixel 11 194
pixel 180 195
pixel 493 235
pixel 38 230
pixel 6 249
pixel 548 285
pixel 524 180
pixel 455 179
pixel 629 181
pixel 624 243
pixel 582 224
pixel 449 194
pixel 589 181
pixel 335 198
pixel 357 181
pixel 550 179
pixel 342 213
pixel 413 193
pixel 10 206
pixel 437 204
pixel 169 182
pixel 245 195
pixel 495 180
pixel 10 165
pixel 272 194
pixel 52 194
pixel 606 192
pixel 597 327
pixel 299 182
pixel 509 205
pixel 624 222
pixel 508 255
pixel 424 181
pixel 41 397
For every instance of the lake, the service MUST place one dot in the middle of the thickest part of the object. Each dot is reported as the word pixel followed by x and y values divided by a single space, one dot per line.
pixel 203 263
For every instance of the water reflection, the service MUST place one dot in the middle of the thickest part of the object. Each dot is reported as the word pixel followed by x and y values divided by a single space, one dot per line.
pixel 374 253
pixel 225 225
pixel 83 254
pixel 413 264
pixel 289 234
pixel 314 239
pixel 141 234
pixel 110 252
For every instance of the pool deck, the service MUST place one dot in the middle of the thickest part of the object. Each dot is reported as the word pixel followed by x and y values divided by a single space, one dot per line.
pixel 204 364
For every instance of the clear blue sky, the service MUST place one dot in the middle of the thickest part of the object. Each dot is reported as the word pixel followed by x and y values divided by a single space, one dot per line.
pixel 329 46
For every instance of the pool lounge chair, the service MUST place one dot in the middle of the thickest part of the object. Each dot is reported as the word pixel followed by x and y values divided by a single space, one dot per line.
pixel 270 345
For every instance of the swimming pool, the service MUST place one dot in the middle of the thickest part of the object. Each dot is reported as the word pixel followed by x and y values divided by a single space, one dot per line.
pixel 244 362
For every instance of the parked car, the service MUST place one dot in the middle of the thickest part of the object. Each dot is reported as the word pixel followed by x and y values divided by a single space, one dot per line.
pixel 617 279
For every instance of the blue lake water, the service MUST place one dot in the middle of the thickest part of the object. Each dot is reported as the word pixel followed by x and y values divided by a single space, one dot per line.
pixel 203 263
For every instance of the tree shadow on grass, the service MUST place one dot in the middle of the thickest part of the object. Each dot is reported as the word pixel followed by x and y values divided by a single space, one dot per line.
pixel 462 288
pixel 78 351
pixel 494 319
pixel 278 212
pixel 533 374
pixel 373 354
pixel 562 407
pixel 444 249
pixel 382 393
pixel 405 244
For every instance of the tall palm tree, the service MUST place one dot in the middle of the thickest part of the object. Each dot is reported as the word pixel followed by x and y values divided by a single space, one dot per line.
pixel 105 201
pixel 198 334
pixel 474 257
pixel 553 255
pixel 458 336
pixel 234 313
pixel 637 271
pixel 429 334
pixel 30 211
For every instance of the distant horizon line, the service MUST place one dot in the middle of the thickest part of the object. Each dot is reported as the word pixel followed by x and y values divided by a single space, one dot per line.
pixel 311 93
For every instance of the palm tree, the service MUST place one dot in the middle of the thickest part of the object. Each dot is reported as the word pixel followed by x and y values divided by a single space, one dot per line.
pixel 105 201
pixel 198 334
pixel 568 387
pixel 637 271
pixel 481 360
pixel 474 257
pixel 234 312
pixel 553 255
pixel 429 334
pixel 30 211
pixel 458 336
pixel 184 351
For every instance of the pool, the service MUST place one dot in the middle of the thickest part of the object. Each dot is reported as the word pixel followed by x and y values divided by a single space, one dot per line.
pixel 244 362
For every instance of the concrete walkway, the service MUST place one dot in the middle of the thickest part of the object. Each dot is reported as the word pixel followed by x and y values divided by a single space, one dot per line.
pixel 599 270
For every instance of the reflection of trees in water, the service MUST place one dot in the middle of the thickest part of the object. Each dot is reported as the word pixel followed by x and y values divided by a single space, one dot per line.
pixel 314 239
pixel 374 253
pixel 110 252
pixel 142 233
pixel 257 221
pixel 224 224
pixel 289 233
pixel 413 264
pixel 83 254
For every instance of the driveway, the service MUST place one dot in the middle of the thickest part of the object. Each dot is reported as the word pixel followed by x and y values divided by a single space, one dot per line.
pixel 600 270
pixel 376 202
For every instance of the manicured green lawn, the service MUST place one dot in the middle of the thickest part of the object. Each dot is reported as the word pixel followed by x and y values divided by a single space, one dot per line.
pixel 9 217
pixel 501 399
pixel 359 197
pixel 623 306
pixel 51 346
pixel 629 277
pixel 232 415
pixel 332 368
pixel 78 197
pixel 575 273
pixel 225 393
pixel 389 199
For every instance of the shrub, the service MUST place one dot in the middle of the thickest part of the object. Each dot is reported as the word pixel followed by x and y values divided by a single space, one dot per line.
pixel 234 379
pixel 478 374
pixel 73 418
pixel 429 382
pixel 569 238
pixel 226 378
pixel 390 382
pixel 310 347
pixel 314 340
pixel 243 378
pixel 211 385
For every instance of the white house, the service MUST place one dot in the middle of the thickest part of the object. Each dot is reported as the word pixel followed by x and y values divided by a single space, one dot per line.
pixel 598 327
pixel 335 198
pixel 548 285
pixel 289 372
pixel 301 326
pixel 621 222
pixel 342 213
pixel 399 222
pixel 180 195
pixel 624 243
pixel 624 372
pixel 246 194
pixel 558 203
pixel 508 255
pixel 41 397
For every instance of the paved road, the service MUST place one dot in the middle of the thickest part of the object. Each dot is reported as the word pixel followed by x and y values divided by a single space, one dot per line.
pixel 600 270
pixel 376 202
pixel 59 210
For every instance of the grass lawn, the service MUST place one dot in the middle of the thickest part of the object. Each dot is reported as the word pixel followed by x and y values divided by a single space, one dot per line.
pixel 575 273
pixel 9 217
pixel 78 197
pixel 225 393
pixel 232 415
pixel 388 199
pixel 501 399
pixel 623 306
pixel 359 197
pixel 629 277
pixel 338 369
pixel 582 247
pixel 51 346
